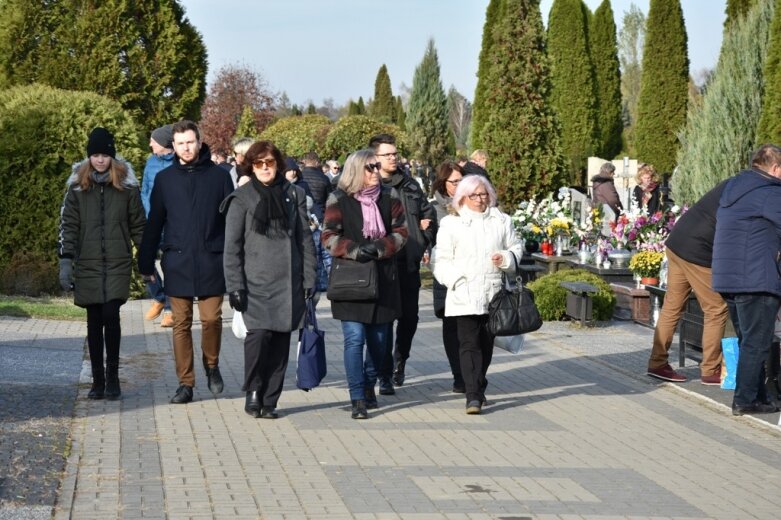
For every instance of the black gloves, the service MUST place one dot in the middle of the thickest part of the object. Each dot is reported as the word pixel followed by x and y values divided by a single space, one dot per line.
pixel 66 274
pixel 367 252
pixel 238 300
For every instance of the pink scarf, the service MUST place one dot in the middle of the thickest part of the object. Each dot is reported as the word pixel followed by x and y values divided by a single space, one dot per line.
pixel 373 227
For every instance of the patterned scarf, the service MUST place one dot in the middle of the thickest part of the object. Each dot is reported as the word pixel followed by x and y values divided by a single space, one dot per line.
pixel 373 227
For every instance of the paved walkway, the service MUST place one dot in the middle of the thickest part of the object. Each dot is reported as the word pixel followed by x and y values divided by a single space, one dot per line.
pixel 574 430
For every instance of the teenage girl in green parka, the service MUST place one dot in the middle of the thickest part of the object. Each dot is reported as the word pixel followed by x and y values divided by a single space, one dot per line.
pixel 100 216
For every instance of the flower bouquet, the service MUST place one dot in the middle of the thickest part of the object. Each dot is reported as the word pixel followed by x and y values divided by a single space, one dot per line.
pixel 646 264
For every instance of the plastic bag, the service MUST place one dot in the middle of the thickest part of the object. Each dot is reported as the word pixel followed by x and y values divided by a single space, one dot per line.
pixel 729 366
pixel 512 344
pixel 238 327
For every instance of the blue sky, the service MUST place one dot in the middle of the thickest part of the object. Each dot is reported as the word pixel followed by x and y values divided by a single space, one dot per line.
pixel 316 49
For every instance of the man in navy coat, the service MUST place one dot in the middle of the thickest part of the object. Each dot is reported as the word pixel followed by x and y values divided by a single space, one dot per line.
pixel 185 213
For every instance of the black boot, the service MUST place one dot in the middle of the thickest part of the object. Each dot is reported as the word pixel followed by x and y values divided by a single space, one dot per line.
pixel 98 385
pixel 112 383
pixel 252 404
pixel 398 372
pixel 359 409
pixel 371 399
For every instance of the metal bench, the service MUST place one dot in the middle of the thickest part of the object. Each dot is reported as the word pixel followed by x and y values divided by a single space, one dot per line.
pixel 579 302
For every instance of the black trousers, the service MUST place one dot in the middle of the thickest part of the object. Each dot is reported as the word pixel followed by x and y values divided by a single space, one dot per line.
pixel 266 354
pixel 450 340
pixel 406 325
pixel 103 327
pixel 476 348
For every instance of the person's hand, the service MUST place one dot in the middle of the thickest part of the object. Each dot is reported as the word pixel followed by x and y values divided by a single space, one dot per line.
pixel 309 293
pixel 66 274
pixel 425 223
pixel 148 278
pixel 497 259
pixel 238 300
pixel 367 252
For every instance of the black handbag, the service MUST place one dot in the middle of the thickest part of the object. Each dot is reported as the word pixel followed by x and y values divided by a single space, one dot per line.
pixel 352 281
pixel 512 310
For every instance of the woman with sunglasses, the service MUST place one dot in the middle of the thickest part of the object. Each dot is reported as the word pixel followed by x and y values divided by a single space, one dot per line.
pixel 449 174
pixel 473 248
pixel 269 263
pixel 364 221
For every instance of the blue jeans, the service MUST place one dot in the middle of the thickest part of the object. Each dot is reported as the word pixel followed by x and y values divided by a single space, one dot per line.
pixel 754 317
pixel 155 290
pixel 361 373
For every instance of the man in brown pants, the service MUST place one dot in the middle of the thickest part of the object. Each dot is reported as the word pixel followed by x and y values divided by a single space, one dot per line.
pixel 185 213
pixel 689 255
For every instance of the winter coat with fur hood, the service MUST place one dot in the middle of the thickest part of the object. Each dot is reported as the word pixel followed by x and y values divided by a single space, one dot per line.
pixel 97 226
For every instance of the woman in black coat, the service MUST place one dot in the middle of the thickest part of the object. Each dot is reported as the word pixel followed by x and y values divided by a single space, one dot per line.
pixel 646 193
pixel 364 221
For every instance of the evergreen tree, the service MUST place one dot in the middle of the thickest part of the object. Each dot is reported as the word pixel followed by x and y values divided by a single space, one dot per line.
pixel 426 122
pixel 311 109
pixel 604 56
pixel 246 126
pixel 572 79
pixel 719 135
pixel 360 107
pixel 384 104
pixel 459 111
pixel 521 134
pixel 769 128
pixel 479 110
pixel 630 54
pixel 146 55
pixel 401 116
pixel 665 86
pixel 736 9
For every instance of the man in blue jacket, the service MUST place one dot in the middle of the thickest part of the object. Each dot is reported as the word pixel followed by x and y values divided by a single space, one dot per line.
pixel 746 254
pixel 161 143
pixel 185 212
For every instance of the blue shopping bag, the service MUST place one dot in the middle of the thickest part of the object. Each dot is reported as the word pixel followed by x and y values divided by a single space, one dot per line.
pixel 311 367
pixel 729 367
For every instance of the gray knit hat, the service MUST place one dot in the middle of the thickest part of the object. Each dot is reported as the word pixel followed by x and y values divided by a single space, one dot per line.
pixel 164 136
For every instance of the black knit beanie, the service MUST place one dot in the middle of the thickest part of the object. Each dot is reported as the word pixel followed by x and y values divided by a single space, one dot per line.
pixel 101 141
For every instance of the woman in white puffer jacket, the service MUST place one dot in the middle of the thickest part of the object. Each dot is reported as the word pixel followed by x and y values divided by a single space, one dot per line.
pixel 473 248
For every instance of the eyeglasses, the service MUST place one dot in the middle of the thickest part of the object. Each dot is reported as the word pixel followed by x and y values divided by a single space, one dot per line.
pixel 370 167
pixel 454 183
pixel 260 163
pixel 390 154
pixel 476 196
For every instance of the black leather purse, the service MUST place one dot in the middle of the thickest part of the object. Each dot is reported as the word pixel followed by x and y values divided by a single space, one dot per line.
pixel 352 281
pixel 512 310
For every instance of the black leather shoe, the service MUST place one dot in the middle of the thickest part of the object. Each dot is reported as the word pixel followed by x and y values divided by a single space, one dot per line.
pixel 386 387
pixel 398 373
pixel 268 412
pixel 184 394
pixel 371 399
pixel 97 390
pixel 758 408
pixel 252 404
pixel 215 382
pixel 359 409
pixel 113 391
pixel 459 387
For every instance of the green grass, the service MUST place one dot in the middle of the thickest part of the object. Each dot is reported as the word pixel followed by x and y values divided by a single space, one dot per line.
pixel 50 308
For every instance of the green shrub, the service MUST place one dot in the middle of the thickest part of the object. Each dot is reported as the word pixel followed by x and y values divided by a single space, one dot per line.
pixel 551 299
pixel 45 131
pixel 30 274
pixel 297 135
pixel 352 133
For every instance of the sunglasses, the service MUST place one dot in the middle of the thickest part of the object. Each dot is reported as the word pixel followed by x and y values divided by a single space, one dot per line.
pixel 260 163
pixel 370 167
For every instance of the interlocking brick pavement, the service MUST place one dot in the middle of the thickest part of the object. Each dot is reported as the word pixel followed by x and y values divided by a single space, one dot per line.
pixel 573 430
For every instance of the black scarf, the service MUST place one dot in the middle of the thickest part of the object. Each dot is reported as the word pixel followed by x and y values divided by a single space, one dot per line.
pixel 270 213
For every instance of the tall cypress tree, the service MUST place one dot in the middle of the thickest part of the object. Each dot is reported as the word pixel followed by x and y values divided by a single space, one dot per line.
pixel 719 134
pixel 572 78
pixel 401 116
pixel 607 75
pixel 769 127
pixel 630 55
pixel 146 55
pixel 664 91
pixel 384 104
pixel 427 121
pixel 479 110
pixel 521 134
pixel 360 107
pixel 736 9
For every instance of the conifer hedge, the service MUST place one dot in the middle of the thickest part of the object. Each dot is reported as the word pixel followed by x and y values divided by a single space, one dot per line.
pixel 297 135
pixel 352 133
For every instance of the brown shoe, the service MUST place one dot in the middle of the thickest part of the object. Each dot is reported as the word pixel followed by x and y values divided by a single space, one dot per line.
pixel 711 380
pixel 666 373
pixel 168 319
pixel 154 311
